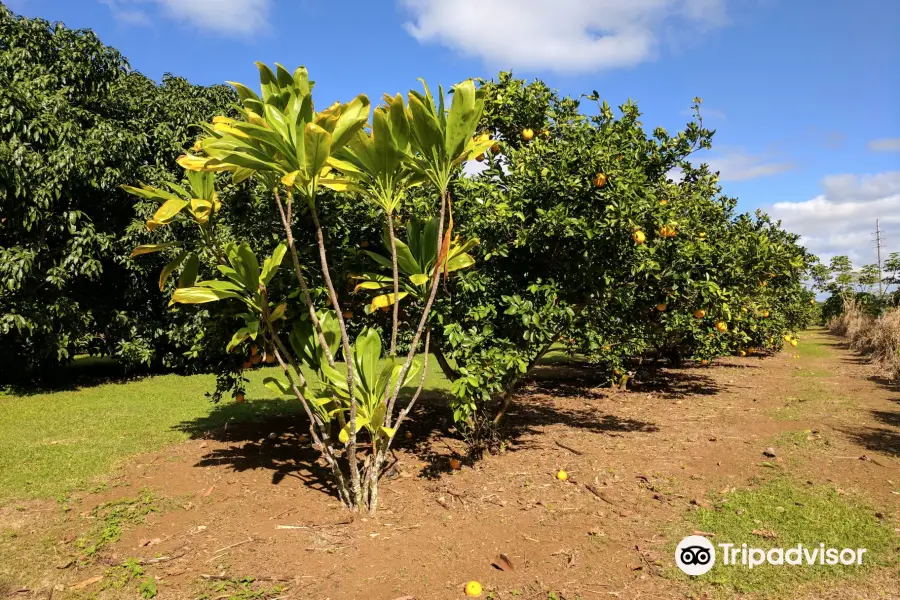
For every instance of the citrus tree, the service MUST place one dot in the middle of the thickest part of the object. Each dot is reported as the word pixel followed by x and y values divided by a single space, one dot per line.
pixel 296 152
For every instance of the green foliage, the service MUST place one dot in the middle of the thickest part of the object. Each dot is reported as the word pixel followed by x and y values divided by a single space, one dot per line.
pixel 77 122
pixel 585 239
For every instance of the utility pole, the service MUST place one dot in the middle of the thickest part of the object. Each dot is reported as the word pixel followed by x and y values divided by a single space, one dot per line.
pixel 878 254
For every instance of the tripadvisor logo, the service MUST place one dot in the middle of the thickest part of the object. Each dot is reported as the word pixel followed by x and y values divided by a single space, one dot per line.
pixel 696 555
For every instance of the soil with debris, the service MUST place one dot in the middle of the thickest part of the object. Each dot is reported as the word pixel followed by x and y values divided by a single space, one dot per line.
pixel 239 504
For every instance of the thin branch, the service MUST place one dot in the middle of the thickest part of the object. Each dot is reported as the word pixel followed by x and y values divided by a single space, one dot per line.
pixel 286 219
pixel 348 359
pixel 415 397
pixel 425 312
pixel 394 323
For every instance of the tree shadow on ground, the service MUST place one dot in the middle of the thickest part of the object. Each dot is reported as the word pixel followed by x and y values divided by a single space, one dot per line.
pixel 271 434
pixel 885 440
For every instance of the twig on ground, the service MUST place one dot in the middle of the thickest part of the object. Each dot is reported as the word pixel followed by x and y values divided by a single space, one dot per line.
pixel 569 448
pixel 229 547
pixel 600 495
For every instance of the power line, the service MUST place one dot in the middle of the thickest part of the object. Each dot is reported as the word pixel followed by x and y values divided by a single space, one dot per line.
pixel 878 255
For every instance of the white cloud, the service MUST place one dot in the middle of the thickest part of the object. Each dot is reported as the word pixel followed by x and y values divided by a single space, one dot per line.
pixel 235 17
pixel 884 145
pixel 560 35
pixel 737 165
pixel 841 220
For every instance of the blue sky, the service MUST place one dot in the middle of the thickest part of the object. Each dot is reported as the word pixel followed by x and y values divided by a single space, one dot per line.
pixel 804 94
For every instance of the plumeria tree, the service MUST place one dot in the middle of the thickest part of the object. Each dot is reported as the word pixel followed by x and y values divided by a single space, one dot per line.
pixel 297 152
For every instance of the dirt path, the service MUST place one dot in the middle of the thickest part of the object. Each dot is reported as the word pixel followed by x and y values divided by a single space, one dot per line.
pixel 638 462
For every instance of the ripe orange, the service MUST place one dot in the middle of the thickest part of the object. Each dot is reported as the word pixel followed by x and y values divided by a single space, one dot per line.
pixel 794 343
pixel 704 362
pixel 661 307
pixel 639 237
pixel 722 326
pixel 527 134
pixel 562 475
pixel 254 349
pixel 347 314
pixel 599 180
pixel 473 589
pixel 270 358
pixel 455 464
pixel 247 364
pixel 699 313
pixel 255 359
pixel 765 314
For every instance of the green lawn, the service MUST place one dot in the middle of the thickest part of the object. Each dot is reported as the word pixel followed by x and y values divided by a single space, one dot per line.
pixel 54 443
pixel 781 514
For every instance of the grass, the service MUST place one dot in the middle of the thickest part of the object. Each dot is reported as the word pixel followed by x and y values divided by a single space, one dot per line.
pixel 805 439
pixel 111 517
pixel 238 589
pixel 795 514
pixel 57 442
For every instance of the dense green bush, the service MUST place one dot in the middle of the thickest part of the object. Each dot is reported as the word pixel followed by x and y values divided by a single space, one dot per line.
pixel 75 123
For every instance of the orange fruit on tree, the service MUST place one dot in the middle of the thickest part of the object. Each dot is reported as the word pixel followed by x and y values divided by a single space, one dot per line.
pixel 473 589
pixel 495 148
pixel 639 237
pixel 254 349
pixel 699 313
pixel 347 314
pixel 270 358
pixel 661 307
pixel 794 343
pixel 247 364
pixel 722 326
pixel 527 134
pixel 599 180
pixel 704 362
pixel 255 359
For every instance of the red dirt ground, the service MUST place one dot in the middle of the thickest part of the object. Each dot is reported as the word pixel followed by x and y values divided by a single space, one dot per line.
pixel 649 455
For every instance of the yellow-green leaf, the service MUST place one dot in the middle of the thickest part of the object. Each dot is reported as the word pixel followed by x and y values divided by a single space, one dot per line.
pixel 386 300
pixel 150 248
pixel 169 210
